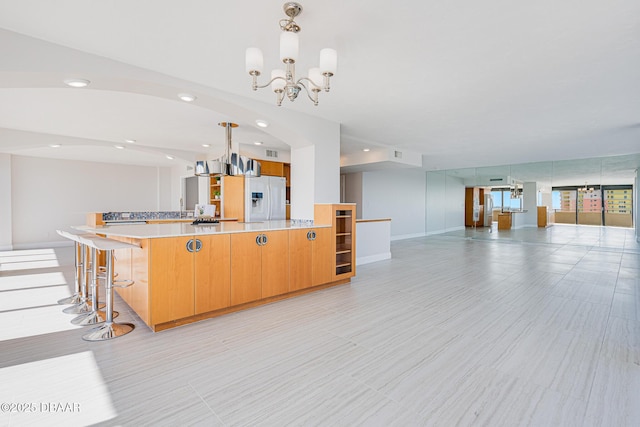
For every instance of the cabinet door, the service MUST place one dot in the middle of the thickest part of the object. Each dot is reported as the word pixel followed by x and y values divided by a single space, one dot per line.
pixel 171 279
pixel 246 268
pixel 275 263
pixel 300 250
pixel 212 273
pixel 323 263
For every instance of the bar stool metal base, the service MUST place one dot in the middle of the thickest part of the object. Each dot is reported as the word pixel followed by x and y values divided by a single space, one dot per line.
pixel 80 308
pixel 108 331
pixel 93 318
pixel 73 299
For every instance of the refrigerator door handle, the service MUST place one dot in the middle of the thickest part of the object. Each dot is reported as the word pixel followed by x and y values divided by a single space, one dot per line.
pixel 270 201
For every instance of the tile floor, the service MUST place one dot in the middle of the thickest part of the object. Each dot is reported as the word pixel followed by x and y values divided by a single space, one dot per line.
pixel 525 327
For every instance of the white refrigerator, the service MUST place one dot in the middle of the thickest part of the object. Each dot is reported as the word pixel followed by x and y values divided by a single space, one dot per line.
pixel 264 198
pixel 488 210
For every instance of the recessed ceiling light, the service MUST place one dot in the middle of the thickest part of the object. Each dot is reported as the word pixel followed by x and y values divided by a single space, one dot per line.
pixel 54 145
pixel 119 147
pixel 169 157
pixel 187 97
pixel 262 123
pixel 258 142
pixel 366 149
pixel 77 82
pixel 130 141
pixel 206 145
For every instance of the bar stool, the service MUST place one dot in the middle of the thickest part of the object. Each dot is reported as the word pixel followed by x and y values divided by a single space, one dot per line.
pixel 76 297
pixel 83 304
pixel 109 329
pixel 95 316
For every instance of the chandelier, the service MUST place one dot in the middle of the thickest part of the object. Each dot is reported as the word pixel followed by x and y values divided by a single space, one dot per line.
pixel 284 81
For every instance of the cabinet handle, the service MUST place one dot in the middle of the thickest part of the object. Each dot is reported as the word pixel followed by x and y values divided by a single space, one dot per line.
pixel 313 235
pixel 309 235
pixel 264 239
pixel 190 245
pixel 259 239
pixel 198 245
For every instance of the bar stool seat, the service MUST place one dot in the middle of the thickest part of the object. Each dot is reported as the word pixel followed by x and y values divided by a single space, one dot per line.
pixel 109 329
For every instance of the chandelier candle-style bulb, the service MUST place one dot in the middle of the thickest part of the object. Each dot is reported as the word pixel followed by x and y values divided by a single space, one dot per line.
pixel 284 81
pixel 278 83
pixel 254 61
pixel 288 47
pixel 316 78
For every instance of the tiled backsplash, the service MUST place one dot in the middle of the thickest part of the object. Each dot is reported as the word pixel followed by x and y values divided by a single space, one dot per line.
pixel 133 216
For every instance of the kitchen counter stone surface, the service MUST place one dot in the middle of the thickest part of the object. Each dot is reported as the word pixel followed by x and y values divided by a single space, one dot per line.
pixel 155 231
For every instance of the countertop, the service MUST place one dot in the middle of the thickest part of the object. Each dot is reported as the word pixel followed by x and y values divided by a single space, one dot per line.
pixel 154 231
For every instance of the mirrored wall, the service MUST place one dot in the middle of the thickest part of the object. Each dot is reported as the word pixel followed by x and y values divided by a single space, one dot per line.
pixel 598 191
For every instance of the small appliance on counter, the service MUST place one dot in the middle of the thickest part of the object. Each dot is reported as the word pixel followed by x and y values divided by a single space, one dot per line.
pixel 205 214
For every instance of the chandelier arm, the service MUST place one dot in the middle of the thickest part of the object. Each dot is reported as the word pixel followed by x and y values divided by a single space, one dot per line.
pixel 314 98
pixel 270 81
pixel 300 82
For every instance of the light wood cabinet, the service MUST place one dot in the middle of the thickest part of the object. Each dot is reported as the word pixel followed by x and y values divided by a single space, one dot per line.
pixel 259 265
pixel 310 257
pixel 275 263
pixel 212 284
pixel 233 197
pixel 171 277
pixel 215 194
pixel 246 268
pixel 189 275
pixel 342 218
pixel 270 168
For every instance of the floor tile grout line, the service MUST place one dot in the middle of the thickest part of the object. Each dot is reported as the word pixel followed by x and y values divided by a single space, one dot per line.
pixel 205 403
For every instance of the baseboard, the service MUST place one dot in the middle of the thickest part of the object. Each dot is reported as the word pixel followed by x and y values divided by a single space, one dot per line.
pixel 407 236
pixel 446 230
pixel 373 258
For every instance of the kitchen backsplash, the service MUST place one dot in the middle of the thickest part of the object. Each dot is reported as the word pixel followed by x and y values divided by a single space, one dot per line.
pixel 130 216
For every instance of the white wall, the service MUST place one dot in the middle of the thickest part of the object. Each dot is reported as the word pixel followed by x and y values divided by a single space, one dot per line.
pixel 50 194
pixel 5 202
pixel 302 177
pixel 399 195
pixel 353 191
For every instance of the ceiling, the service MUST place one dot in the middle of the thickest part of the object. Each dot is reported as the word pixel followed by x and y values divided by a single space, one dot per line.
pixel 462 84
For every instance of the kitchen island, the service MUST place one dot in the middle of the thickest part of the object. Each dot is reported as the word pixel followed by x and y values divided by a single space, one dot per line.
pixel 185 273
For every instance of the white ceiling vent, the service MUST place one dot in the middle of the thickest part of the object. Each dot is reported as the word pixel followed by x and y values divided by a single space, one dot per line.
pixel 272 153
pixel 397 154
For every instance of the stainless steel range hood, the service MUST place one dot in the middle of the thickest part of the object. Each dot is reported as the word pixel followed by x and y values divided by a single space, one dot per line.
pixel 229 163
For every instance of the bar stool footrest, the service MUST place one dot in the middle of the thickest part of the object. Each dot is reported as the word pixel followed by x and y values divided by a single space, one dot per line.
pixel 93 318
pixel 73 299
pixel 122 283
pixel 81 308
pixel 108 331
